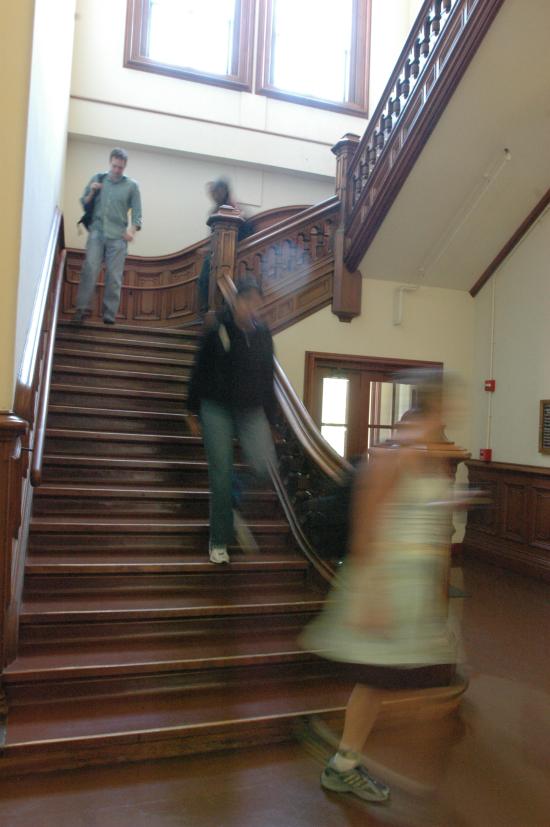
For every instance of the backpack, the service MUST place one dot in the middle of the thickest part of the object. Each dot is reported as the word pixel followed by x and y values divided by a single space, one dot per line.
pixel 88 213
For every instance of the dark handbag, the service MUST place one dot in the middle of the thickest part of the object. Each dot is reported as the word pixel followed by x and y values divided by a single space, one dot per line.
pixel 88 213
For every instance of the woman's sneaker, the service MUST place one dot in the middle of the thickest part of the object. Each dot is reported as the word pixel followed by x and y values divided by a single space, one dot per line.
pixel 218 554
pixel 357 781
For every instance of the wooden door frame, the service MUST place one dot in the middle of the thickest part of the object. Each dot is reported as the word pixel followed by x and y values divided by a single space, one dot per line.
pixel 315 359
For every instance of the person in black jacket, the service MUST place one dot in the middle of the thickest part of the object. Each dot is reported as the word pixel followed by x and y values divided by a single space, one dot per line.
pixel 231 393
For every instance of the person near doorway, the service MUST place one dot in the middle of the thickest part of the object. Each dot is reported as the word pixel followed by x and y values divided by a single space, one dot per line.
pixel 231 394
pixel 109 197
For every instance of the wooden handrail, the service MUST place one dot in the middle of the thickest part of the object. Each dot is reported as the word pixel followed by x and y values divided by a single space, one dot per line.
pixel 442 42
pixel 30 365
pixel 44 395
pixel 306 431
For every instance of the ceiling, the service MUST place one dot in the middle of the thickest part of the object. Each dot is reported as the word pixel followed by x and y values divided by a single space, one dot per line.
pixel 485 166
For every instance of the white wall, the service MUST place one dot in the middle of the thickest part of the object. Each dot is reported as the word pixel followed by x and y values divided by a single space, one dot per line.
pixel 175 202
pixel 521 289
pixel 45 147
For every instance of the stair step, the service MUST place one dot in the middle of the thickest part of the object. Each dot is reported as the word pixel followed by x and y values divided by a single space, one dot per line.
pixel 93 398
pixel 177 710
pixel 183 346
pixel 72 440
pixel 131 333
pixel 191 502
pixel 203 647
pixel 105 378
pixel 76 525
pixel 84 562
pixel 61 468
pixel 111 583
pixel 199 601
pixel 122 421
pixel 254 705
pixel 96 358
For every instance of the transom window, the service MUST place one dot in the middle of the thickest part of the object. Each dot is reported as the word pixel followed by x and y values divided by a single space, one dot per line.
pixel 313 52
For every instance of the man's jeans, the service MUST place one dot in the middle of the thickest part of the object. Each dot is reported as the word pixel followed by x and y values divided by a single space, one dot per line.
pixel 113 252
pixel 220 425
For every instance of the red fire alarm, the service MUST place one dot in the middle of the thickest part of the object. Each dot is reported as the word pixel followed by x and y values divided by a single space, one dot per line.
pixel 490 385
pixel 486 454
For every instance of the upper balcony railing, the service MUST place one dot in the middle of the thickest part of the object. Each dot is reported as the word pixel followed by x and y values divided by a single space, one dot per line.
pixel 443 40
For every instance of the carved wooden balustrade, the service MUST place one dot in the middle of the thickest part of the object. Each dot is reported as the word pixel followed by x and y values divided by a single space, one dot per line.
pixel 160 290
pixel 442 42
pixel 293 263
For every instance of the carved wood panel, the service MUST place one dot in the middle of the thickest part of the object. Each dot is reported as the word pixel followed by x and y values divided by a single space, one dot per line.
pixel 514 531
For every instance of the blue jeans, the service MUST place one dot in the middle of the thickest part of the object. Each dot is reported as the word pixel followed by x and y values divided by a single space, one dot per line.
pixel 219 426
pixel 98 250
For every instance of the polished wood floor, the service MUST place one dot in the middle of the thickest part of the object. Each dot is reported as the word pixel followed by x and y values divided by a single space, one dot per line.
pixel 486 767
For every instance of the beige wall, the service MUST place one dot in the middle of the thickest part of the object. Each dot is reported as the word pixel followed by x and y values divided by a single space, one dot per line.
pixel 45 150
pixel 175 202
pixel 520 291
pixel 15 63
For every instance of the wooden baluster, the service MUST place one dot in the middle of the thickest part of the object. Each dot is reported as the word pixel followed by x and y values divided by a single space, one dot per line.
pixel 447 5
pixel 346 295
pixel 427 35
pixel 225 225
pixel 436 20
pixel 415 65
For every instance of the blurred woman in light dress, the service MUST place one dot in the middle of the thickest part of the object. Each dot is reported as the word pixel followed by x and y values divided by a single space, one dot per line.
pixel 386 618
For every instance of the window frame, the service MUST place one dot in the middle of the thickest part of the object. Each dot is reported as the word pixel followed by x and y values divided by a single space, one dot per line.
pixel 135 48
pixel 359 69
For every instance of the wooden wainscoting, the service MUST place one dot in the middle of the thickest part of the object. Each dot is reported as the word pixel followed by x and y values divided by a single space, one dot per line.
pixel 514 532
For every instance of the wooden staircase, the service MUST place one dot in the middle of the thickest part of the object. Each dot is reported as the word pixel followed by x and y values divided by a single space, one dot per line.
pixel 131 643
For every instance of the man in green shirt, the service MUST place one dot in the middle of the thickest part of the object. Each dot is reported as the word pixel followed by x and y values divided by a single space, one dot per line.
pixel 113 195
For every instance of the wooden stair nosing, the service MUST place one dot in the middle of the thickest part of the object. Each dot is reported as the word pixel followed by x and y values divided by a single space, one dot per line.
pixel 79 525
pixel 115 373
pixel 72 341
pixel 18 675
pixel 38 616
pixel 104 355
pixel 121 436
pixel 34 565
pixel 124 492
pixel 116 412
pixel 59 751
pixel 101 391
pixel 121 328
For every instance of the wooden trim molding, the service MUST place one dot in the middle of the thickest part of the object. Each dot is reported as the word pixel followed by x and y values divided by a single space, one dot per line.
pixel 514 531
pixel 358 100
pixel 443 41
pixel 136 48
pixel 315 359
pixel 513 241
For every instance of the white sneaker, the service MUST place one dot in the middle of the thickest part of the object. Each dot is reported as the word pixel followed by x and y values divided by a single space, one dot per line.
pixel 243 535
pixel 218 554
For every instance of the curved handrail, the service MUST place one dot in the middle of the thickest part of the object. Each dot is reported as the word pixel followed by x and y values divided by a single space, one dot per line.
pixel 30 363
pixel 443 40
pixel 44 397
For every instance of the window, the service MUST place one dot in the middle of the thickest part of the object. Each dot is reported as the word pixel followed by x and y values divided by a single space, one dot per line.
pixel 355 400
pixel 313 52
pixel 207 41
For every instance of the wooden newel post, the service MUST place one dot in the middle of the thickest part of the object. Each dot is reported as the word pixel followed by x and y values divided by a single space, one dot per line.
pixel 225 224
pixel 346 297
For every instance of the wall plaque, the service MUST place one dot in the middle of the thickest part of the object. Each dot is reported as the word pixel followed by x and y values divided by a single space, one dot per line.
pixel 544 430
